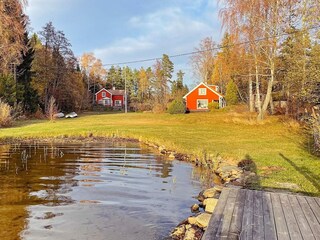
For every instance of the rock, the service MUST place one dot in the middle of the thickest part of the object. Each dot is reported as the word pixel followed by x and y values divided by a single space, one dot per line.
pixel 195 208
pixel 179 231
pixel 218 188
pixel 201 196
pixel 192 220
pixel 190 234
pixel 188 226
pixel 210 204
pixel 209 193
pixel 203 219
pixel 172 156
pixel 162 150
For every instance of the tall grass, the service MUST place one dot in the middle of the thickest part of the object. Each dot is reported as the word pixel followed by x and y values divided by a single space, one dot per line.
pixel 5 114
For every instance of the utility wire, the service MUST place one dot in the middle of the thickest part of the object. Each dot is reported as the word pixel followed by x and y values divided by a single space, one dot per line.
pixel 208 50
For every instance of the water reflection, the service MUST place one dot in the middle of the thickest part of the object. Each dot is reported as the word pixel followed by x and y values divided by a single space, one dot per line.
pixel 80 191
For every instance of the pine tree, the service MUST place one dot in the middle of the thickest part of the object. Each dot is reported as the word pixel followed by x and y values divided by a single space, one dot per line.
pixel 231 93
pixel 26 94
pixel 8 88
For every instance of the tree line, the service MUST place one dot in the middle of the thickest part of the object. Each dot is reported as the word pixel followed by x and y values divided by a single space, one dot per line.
pixel 150 88
pixel 38 67
pixel 270 52
pixel 268 58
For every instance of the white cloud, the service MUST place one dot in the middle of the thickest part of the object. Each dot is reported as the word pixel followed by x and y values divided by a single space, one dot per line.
pixel 41 7
pixel 169 31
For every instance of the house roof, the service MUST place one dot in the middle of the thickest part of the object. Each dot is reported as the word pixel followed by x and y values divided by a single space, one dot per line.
pixel 116 92
pixel 207 86
pixel 113 92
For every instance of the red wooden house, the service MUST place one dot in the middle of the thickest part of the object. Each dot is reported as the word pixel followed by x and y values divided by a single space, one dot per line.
pixel 111 98
pixel 199 97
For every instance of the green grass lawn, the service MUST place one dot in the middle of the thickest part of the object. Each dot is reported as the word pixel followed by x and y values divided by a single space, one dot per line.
pixel 277 148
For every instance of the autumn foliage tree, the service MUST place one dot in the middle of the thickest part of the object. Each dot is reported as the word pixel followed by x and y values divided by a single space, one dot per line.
pixel 12 22
pixel 203 60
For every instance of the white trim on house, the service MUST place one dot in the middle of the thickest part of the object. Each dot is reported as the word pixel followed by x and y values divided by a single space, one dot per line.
pixel 202 100
pixel 202 91
pixel 119 103
pixel 100 91
pixel 202 83
pixel 103 89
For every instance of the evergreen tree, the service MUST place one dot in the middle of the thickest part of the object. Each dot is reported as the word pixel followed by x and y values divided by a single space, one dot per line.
pixel 231 93
pixel 167 67
pixel 178 90
pixel 8 89
pixel 26 94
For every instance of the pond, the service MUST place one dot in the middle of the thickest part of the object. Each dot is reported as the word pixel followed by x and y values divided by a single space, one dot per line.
pixel 116 190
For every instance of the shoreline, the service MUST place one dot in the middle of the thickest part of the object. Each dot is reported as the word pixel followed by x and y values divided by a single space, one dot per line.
pixel 226 173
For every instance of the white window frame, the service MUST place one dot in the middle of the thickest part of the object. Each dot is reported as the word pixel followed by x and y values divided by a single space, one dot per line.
pixel 104 94
pixel 117 103
pixel 202 100
pixel 202 91
pixel 107 102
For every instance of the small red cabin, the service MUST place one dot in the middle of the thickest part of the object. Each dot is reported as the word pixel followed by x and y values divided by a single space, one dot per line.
pixel 111 98
pixel 199 97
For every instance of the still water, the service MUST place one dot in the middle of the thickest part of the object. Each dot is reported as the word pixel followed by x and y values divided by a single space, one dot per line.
pixel 93 191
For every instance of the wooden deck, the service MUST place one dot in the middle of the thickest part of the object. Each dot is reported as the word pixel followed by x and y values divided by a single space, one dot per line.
pixel 248 214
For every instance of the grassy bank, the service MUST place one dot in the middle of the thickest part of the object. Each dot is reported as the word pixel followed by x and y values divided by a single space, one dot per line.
pixel 278 148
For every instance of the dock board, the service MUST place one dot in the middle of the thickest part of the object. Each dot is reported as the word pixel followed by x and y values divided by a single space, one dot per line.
pixel 248 214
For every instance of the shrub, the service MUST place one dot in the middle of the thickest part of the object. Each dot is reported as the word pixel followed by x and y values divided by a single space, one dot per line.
pixel 247 164
pixel 231 93
pixel 158 108
pixel 5 114
pixel 213 106
pixel 176 107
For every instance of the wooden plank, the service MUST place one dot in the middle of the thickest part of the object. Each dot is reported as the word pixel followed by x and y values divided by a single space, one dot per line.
pixel 300 217
pixel 227 215
pixel 236 222
pixel 279 219
pixel 258 228
pixel 311 218
pixel 292 224
pixel 318 201
pixel 315 207
pixel 217 216
pixel 268 218
pixel 247 220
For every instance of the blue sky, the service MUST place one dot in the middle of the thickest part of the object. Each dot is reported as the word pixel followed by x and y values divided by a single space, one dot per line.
pixel 127 30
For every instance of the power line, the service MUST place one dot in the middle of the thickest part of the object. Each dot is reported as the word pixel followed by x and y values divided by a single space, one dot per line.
pixel 208 50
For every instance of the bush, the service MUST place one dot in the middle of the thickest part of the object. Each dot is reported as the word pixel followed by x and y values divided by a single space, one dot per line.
pixel 176 107
pixel 158 108
pixel 5 114
pixel 213 106
pixel 247 164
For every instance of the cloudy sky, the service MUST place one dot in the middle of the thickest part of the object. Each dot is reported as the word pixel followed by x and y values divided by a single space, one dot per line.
pixel 128 30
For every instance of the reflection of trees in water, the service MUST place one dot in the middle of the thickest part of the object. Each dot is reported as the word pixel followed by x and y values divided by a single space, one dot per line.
pixel 45 174
pixel 205 176
pixel 31 174
pixel 166 166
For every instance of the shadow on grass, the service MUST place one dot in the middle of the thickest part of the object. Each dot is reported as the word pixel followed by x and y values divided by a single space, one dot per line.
pixel 251 178
pixel 311 177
